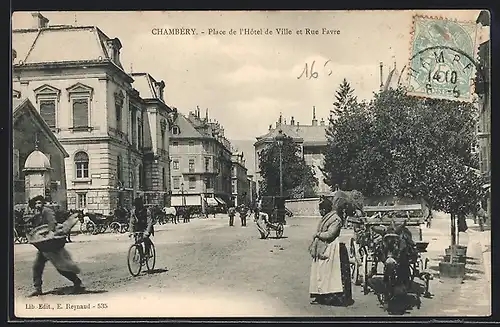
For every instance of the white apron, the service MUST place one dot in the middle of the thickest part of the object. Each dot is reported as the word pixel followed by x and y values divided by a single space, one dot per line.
pixel 326 275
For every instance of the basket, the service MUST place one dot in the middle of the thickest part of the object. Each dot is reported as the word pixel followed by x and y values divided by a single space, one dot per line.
pixel 45 240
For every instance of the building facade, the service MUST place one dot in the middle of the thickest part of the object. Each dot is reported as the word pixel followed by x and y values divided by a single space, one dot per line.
pixel 483 90
pixel 91 105
pixel 239 180
pixel 312 143
pixel 200 162
pixel 35 147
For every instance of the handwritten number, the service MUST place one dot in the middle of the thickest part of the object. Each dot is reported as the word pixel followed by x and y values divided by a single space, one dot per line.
pixel 326 63
pixel 309 72
pixel 456 92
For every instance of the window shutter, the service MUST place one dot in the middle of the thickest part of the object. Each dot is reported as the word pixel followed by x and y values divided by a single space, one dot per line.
pixel 48 112
pixel 80 113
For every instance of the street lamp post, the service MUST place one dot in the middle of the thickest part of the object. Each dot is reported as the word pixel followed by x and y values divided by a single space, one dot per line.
pixel 279 139
pixel 183 198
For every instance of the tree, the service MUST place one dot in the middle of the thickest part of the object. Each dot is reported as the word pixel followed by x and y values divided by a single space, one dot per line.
pixel 344 98
pixel 410 147
pixel 298 177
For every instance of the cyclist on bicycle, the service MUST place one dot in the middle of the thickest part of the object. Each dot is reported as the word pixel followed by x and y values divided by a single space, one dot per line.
pixel 141 221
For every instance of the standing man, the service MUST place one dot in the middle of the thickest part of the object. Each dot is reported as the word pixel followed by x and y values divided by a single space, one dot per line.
pixel 141 221
pixel 243 215
pixel 231 212
pixel 61 260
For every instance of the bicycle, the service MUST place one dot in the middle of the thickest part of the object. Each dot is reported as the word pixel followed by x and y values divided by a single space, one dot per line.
pixel 136 255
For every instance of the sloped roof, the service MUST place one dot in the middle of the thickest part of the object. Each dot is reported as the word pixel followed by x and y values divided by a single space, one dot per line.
pixel 187 129
pixel 143 82
pixel 57 44
pixel 308 134
pixel 22 107
pixel 288 130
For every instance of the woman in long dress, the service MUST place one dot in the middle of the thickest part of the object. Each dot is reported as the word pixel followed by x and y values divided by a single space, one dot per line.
pixel 326 284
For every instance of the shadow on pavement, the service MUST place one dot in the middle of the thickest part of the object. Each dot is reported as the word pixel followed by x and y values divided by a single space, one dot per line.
pixel 68 290
pixel 277 238
pixel 156 271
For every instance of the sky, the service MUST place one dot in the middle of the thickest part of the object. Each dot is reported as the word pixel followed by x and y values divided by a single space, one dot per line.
pixel 247 81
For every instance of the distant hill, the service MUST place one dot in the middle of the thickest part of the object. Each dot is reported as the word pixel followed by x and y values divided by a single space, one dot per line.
pixel 248 152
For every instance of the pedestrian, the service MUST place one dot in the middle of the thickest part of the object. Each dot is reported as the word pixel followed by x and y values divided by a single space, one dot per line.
pixel 481 217
pixel 141 221
pixel 326 285
pixel 186 214
pixel 231 212
pixel 262 220
pixel 243 212
pixel 60 258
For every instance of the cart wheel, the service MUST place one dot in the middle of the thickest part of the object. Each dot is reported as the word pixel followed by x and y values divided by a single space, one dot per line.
pixel 115 227
pixel 354 262
pixel 279 230
pixel 91 228
pixel 365 273
pixel 346 274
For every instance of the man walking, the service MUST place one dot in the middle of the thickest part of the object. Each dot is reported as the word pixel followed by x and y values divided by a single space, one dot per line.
pixel 243 215
pixel 231 212
pixel 60 259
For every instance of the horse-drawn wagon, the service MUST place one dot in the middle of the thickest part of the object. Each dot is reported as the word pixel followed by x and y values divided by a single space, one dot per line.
pixel 388 243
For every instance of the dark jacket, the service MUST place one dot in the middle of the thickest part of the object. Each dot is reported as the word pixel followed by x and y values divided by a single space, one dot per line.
pixel 141 221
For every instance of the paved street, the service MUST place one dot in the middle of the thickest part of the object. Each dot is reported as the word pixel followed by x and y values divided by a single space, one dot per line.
pixel 206 268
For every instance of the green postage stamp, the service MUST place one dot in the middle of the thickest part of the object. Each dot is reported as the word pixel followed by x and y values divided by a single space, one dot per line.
pixel 442 59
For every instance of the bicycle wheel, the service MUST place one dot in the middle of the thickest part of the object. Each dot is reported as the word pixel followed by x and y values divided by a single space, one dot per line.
pixel 151 260
pixel 279 230
pixel 134 259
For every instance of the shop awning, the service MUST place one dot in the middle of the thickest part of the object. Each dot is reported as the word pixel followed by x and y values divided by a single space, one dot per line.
pixel 212 202
pixel 220 200
pixel 189 200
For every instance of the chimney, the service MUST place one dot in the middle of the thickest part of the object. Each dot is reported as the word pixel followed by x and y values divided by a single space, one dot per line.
pixel 39 21
pixel 206 114
pixel 159 87
pixel 314 120
pixel 284 121
pixel 270 126
pixel 292 121
pixel 381 77
pixel 114 46
pixel 322 122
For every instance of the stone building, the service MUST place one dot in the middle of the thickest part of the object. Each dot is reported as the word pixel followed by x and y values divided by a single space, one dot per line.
pixel 90 103
pixel 252 190
pixel 38 157
pixel 239 180
pixel 483 90
pixel 200 162
pixel 311 140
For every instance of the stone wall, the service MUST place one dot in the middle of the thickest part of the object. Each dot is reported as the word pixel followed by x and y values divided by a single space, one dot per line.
pixel 303 207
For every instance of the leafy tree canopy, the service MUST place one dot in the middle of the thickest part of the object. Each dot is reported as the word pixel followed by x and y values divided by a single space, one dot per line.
pixel 298 178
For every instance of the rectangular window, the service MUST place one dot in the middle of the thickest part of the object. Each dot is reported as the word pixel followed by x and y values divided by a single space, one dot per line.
pixel 233 188
pixel 207 164
pixel 80 112
pixel 234 171
pixel 208 182
pixel 118 116
pixel 191 165
pixel 133 121
pixel 192 183
pixel 82 170
pixel 191 146
pixel 175 164
pixel 82 200
pixel 139 133
pixel 176 182
pixel 163 139
pixel 48 112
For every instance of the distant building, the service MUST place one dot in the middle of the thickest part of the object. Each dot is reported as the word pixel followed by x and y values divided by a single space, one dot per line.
pixel 252 187
pixel 36 151
pixel 311 140
pixel 109 121
pixel 200 162
pixel 239 180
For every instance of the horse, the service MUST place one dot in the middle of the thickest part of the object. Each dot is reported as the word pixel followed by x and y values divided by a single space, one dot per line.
pixel 170 213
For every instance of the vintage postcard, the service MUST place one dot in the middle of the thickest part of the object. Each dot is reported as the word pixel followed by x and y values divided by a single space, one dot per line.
pixel 231 164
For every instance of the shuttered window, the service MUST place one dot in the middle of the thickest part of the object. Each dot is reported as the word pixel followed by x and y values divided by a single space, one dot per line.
pixel 80 112
pixel 48 112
